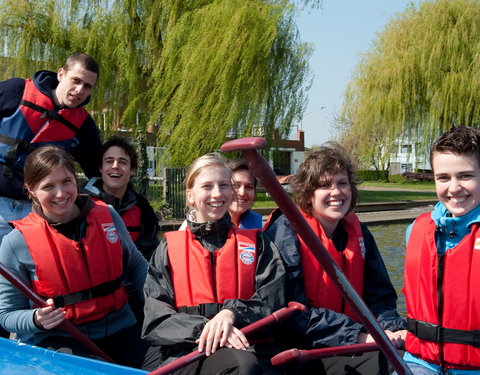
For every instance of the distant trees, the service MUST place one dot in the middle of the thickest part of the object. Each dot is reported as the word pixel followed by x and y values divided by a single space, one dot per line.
pixel 421 75
pixel 194 70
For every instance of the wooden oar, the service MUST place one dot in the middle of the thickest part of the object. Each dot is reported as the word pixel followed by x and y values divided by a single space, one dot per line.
pixel 296 355
pixel 66 325
pixel 260 168
pixel 276 317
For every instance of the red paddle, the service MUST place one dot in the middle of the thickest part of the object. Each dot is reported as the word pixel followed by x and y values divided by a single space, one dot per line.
pixel 66 325
pixel 308 355
pixel 276 317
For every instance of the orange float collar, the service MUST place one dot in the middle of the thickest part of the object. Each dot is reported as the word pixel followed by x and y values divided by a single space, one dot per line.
pixel 203 280
pixel 85 275
pixel 319 289
pixel 442 297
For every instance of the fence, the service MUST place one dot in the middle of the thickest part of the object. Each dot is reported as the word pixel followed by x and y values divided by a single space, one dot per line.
pixel 174 190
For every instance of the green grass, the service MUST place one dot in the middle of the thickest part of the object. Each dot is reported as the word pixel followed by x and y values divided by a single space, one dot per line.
pixel 370 196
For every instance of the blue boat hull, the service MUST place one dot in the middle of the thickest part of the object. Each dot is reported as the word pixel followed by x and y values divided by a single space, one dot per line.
pixel 23 359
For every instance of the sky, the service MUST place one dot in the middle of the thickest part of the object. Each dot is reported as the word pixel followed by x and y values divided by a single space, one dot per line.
pixel 340 32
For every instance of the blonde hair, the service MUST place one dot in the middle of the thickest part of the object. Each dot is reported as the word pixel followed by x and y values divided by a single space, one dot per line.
pixel 209 160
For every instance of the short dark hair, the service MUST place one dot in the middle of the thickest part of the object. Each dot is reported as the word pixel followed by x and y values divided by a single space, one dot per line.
pixel 325 160
pixel 459 140
pixel 241 165
pixel 86 61
pixel 123 144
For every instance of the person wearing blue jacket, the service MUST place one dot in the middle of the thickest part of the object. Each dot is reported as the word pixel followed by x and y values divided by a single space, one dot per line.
pixel 76 254
pixel 245 185
pixel 45 109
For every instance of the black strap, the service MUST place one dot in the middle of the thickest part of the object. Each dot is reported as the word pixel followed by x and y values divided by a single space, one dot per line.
pixel 208 310
pixel 47 113
pixel 97 291
pixel 435 333
pixel 18 146
pixel 133 228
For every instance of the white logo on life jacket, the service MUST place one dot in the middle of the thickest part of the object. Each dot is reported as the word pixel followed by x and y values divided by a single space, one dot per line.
pixel 361 242
pixel 111 232
pixel 477 244
pixel 247 252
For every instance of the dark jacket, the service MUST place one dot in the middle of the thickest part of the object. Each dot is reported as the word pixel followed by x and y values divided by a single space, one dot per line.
pixel 86 150
pixel 147 240
pixel 176 332
pixel 324 327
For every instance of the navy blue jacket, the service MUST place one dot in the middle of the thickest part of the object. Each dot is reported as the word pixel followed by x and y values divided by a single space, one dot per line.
pixel 86 152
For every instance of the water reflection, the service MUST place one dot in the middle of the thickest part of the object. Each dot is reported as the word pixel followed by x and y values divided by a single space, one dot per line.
pixel 391 243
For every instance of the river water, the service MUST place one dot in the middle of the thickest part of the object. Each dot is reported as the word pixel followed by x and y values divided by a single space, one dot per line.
pixel 391 243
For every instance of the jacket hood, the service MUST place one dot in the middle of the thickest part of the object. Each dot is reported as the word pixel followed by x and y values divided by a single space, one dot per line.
pixel 47 81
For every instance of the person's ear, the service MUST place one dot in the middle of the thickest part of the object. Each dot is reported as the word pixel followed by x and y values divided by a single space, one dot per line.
pixel 190 197
pixel 60 74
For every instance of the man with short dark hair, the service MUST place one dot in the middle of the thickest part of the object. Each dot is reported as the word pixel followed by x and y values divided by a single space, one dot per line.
pixel 45 109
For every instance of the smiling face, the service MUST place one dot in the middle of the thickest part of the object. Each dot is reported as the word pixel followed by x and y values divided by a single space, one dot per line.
pixel 56 194
pixel 457 182
pixel 244 193
pixel 211 193
pixel 331 200
pixel 74 86
pixel 116 171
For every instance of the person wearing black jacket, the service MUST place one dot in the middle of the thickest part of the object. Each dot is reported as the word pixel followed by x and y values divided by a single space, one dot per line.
pixel 208 281
pixel 325 191
pixel 118 163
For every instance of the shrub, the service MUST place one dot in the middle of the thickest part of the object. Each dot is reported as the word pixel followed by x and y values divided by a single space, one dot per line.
pixel 372 175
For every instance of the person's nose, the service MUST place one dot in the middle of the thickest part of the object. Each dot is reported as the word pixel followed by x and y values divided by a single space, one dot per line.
pixel 454 186
pixel 216 191
pixel 115 164
pixel 240 191
pixel 60 192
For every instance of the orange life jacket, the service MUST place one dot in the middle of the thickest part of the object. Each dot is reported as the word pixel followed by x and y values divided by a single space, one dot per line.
pixel 200 276
pixel 446 333
pixel 132 219
pixel 84 276
pixel 35 122
pixel 319 288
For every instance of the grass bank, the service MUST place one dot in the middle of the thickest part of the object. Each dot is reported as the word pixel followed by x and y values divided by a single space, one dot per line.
pixel 372 192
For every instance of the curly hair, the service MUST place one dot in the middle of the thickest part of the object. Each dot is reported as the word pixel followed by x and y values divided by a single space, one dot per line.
pixel 324 161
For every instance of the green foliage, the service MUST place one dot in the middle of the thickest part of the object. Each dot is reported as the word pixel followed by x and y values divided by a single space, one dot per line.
pixel 194 71
pixel 372 175
pixel 420 76
pixel 396 179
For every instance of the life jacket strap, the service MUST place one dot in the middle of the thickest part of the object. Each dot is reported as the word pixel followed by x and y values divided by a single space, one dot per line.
pixel 208 310
pixel 436 333
pixel 101 290
pixel 47 113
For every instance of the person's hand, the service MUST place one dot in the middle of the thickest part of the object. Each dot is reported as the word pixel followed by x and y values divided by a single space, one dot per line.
pixel 220 332
pixel 49 317
pixel 397 338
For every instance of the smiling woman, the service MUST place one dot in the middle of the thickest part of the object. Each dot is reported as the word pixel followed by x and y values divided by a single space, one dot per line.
pixel 77 255
pixel 208 280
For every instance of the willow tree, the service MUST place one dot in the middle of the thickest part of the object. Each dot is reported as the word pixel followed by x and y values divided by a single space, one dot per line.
pixel 194 70
pixel 421 75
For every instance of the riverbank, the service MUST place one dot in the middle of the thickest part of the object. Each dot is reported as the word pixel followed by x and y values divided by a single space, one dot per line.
pixel 368 213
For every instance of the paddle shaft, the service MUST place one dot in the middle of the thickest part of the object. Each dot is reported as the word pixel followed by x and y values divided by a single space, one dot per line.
pixel 260 168
pixel 66 325
pixel 308 355
pixel 275 317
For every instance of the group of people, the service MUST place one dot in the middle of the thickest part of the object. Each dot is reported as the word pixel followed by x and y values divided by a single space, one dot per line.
pixel 97 260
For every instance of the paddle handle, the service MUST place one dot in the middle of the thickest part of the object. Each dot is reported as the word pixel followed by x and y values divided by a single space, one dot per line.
pixel 260 168
pixel 66 325
pixel 308 355
pixel 273 318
